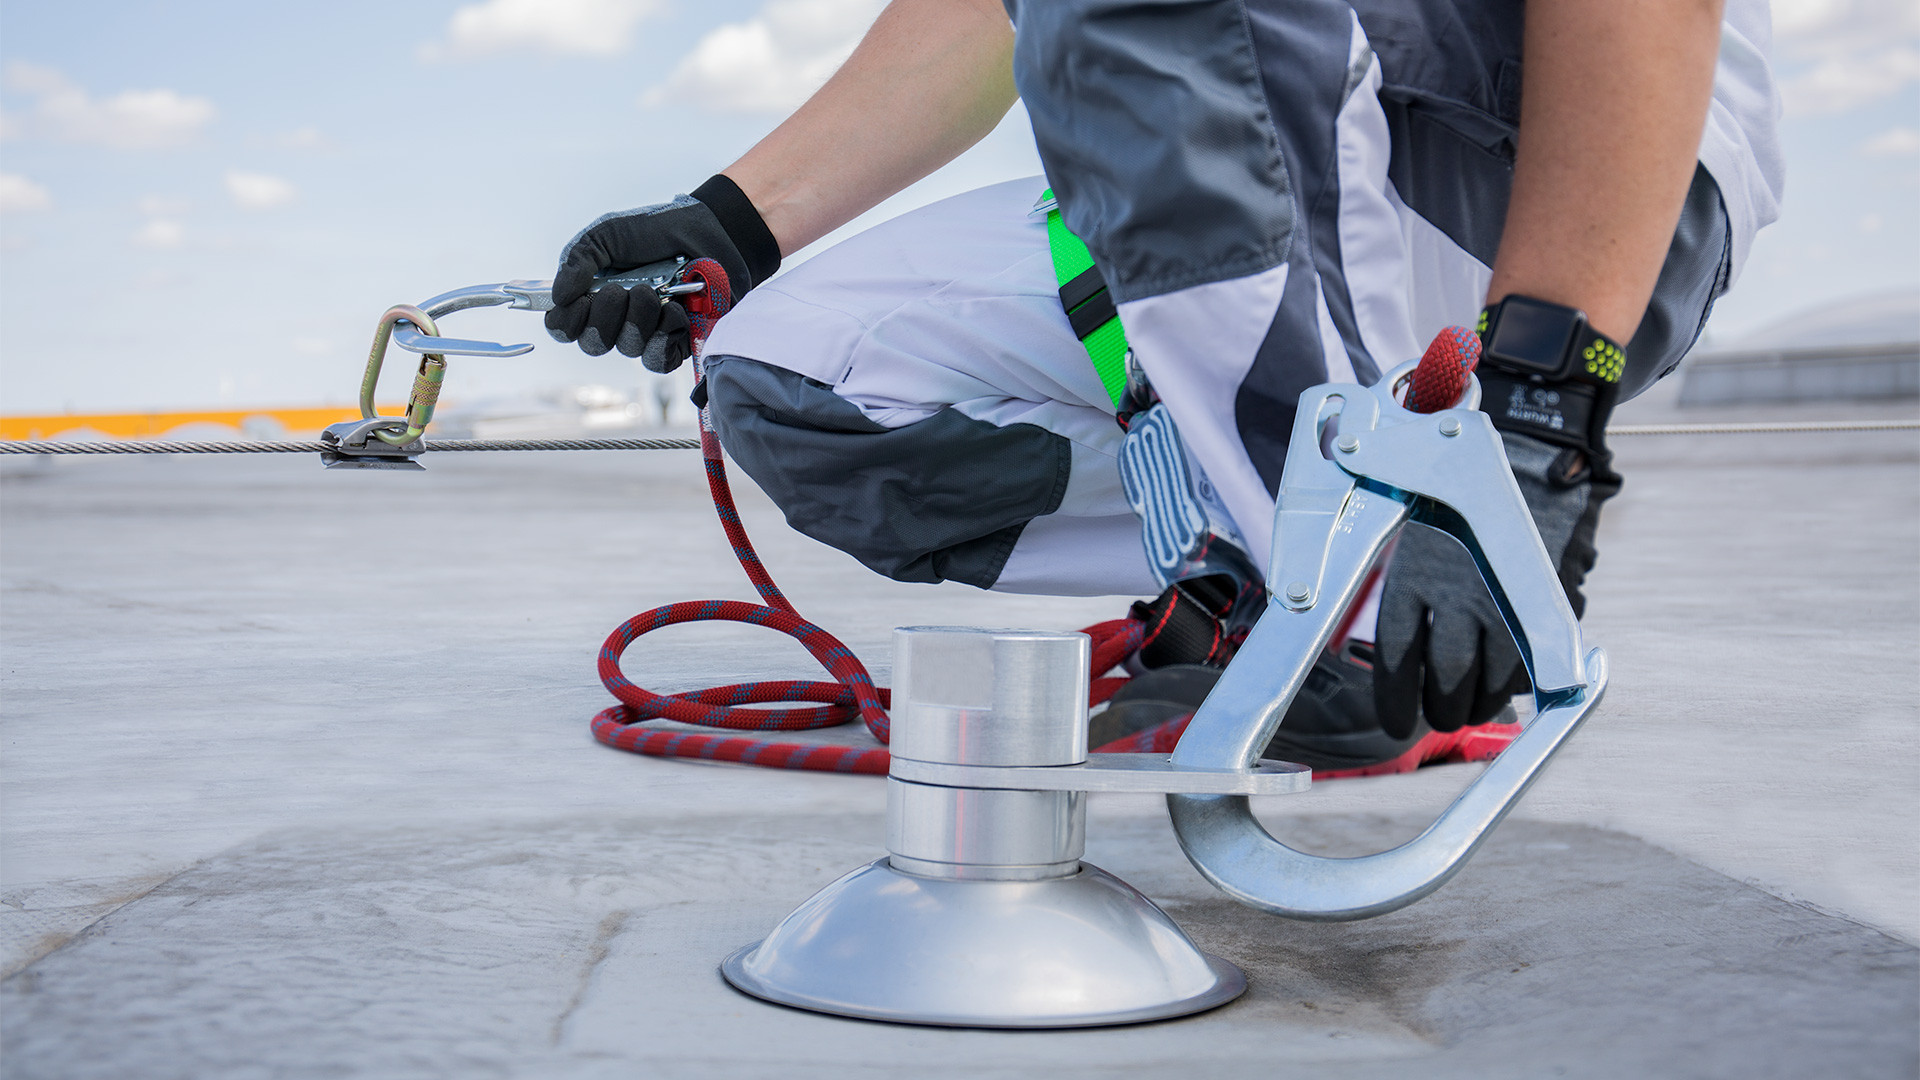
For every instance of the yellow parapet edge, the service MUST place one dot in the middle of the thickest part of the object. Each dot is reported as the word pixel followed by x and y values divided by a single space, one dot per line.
pixel 154 425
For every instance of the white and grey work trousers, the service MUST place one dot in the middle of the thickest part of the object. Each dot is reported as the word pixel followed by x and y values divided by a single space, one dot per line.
pixel 917 397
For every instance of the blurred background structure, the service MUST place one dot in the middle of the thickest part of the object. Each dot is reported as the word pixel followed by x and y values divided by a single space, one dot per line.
pixel 204 205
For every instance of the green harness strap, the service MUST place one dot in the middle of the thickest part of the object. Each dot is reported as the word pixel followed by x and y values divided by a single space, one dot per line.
pixel 1083 292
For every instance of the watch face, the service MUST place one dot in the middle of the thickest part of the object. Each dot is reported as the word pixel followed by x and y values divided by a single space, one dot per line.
pixel 1533 337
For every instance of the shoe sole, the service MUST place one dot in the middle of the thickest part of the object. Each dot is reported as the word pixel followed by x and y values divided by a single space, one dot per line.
pixel 1482 743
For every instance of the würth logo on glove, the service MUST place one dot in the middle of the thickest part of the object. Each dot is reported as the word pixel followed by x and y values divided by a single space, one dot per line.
pixel 1536 405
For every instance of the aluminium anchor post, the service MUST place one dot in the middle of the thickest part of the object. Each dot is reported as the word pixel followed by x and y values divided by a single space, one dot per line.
pixel 983 915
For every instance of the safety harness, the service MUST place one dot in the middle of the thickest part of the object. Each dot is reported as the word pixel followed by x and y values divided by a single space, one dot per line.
pixel 1090 307
pixel 1188 623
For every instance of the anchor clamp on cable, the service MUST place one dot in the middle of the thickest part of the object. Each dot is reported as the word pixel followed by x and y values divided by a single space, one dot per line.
pixel 395 442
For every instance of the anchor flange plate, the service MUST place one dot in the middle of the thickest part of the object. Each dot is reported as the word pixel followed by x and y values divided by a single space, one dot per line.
pixel 1086 950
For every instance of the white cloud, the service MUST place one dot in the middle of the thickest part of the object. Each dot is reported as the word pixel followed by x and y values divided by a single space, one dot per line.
pixel 130 120
pixel 19 195
pixel 258 191
pixel 1847 82
pixel 1893 142
pixel 1807 28
pixel 1799 17
pixel 549 27
pixel 36 79
pixel 1836 55
pixel 773 61
pixel 159 234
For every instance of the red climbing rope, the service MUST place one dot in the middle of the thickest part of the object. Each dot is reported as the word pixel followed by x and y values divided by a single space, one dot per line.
pixel 851 694
pixel 1442 375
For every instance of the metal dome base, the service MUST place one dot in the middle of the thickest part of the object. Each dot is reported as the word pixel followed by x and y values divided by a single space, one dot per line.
pixel 1084 950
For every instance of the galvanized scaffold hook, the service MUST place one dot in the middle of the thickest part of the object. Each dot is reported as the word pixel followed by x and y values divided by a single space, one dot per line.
pixel 1338 510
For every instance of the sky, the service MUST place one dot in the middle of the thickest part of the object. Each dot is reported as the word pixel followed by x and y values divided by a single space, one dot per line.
pixel 208 203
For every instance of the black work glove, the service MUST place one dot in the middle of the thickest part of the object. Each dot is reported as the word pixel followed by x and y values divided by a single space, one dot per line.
pixel 1442 650
pixel 717 221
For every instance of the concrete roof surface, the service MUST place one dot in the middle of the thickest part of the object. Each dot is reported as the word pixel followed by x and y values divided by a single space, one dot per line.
pixel 297 782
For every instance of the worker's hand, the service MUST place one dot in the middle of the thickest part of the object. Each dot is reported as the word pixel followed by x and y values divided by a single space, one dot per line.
pixel 1442 649
pixel 715 222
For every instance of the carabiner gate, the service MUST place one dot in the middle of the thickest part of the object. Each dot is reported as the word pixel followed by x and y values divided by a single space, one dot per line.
pixel 426 382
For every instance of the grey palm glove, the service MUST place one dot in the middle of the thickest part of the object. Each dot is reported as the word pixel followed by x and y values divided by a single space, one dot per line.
pixel 717 221
pixel 1442 650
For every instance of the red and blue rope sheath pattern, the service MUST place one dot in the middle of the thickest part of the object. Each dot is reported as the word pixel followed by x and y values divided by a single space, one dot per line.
pixel 852 693
pixel 1442 375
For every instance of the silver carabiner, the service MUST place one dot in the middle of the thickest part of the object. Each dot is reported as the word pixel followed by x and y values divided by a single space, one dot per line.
pixel 415 329
pixel 523 295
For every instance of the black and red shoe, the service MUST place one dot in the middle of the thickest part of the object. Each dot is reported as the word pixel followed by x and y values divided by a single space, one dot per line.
pixel 1330 726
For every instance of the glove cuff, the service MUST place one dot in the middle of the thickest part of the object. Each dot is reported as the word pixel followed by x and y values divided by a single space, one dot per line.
pixel 744 226
pixel 1565 414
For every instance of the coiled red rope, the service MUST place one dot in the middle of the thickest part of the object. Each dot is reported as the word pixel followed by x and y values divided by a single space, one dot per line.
pixel 851 694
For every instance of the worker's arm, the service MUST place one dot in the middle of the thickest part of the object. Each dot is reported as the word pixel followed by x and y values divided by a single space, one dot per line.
pixel 931 78
pixel 1615 95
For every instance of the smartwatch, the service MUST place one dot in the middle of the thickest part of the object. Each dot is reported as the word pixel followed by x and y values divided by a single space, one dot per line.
pixel 1544 372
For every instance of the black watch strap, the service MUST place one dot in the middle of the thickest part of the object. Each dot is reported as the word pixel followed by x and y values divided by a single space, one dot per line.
pixel 1544 372
pixel 1552 342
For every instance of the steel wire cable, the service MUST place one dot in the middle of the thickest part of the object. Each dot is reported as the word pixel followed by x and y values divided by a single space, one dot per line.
pixel 853 692
pixel 164 446
pixel 1766 427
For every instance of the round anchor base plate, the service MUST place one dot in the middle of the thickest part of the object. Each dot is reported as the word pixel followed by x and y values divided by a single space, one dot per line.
pixel 1084 950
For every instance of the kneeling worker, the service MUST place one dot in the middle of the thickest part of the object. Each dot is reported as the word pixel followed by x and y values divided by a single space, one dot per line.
pixel 1243 199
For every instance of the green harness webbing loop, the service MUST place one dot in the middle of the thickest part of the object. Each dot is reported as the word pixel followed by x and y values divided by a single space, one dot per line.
pixel 1096 322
